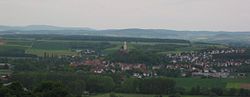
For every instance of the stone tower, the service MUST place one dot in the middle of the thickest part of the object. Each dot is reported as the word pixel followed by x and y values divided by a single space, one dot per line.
pixel 125 47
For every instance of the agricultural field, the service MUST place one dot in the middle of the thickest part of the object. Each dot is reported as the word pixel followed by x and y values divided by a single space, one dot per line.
pixel 188 83
pixel 55 45
pixel 238 85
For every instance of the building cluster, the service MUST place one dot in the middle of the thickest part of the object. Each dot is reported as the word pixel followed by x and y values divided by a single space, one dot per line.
pixel 100 66
pixel 203 63
pixel 81 52
pixel 5 71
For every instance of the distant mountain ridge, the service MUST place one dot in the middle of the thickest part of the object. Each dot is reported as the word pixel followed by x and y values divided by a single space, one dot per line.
pixel 201 36
pixel 39 27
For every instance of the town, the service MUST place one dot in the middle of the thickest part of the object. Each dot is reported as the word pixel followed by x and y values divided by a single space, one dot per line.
pixel 206 63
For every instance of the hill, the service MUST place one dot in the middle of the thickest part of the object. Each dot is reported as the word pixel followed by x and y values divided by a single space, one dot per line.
pixel 39 27
pixel 232 38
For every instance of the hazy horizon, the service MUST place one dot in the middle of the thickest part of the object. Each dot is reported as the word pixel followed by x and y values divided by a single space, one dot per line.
pixel 195 15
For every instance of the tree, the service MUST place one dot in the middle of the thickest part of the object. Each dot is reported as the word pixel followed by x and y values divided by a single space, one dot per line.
pixel 112 95
pixel 180 90
pixel 175 95
pixel 211 94
pixel 51 89
pixel 159 85
pixel 195 90
pixel 232 92
pixel 244 93
pixel 217 91
pixel 14 89
pixel 5 92
pixel 130 85
pixel 77 87
pixel 100 84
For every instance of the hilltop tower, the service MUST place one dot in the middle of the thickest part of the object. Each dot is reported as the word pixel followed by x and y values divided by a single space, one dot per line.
pixel 125 47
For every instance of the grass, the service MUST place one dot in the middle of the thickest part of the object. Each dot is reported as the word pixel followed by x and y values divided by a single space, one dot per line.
pixel 63 47
pixel 188 83
pixel 5 47
pixel 138 95
pixel 40 52
pixel 39 47
pixel 233 85
pixel 50 45
pixel 20 43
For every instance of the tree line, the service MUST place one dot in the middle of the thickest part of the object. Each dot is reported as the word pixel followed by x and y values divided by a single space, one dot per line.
pixel 82 83
pixel 44 89
pixel 77 84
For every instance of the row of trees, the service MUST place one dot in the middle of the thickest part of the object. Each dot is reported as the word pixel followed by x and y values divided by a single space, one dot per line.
pixel 44 89
pixel 13 52
pixel 75 85
pixel 137 56
pixel 79 83
pixel 159 85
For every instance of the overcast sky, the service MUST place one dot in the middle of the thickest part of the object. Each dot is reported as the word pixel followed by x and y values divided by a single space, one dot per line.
pixel 226 15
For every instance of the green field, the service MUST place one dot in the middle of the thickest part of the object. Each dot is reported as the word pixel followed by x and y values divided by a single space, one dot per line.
pixel 50 45
pixel 138 95
pixel 63 47
pixel 38 47
pixel 40 52
pixel 233 85
pixel 222 83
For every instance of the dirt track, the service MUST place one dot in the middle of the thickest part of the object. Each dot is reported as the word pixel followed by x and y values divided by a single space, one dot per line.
pixel 245 86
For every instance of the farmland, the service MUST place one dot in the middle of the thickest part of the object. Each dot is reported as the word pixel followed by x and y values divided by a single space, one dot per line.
pixel 188 83
pixel 38 45
pixel 238 85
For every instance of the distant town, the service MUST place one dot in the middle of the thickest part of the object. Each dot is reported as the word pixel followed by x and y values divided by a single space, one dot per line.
pixel 207 63
pixel 88 65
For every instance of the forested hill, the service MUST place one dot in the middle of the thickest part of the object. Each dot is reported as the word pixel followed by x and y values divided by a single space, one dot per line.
pixel 90 38
pixel 204 36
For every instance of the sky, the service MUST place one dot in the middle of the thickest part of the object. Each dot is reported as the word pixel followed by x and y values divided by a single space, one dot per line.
pixel 209 15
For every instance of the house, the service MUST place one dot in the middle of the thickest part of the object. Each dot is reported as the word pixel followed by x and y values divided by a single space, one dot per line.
pixel 6 72
pixel 5 66
pixel 156 67
pixel 241 75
